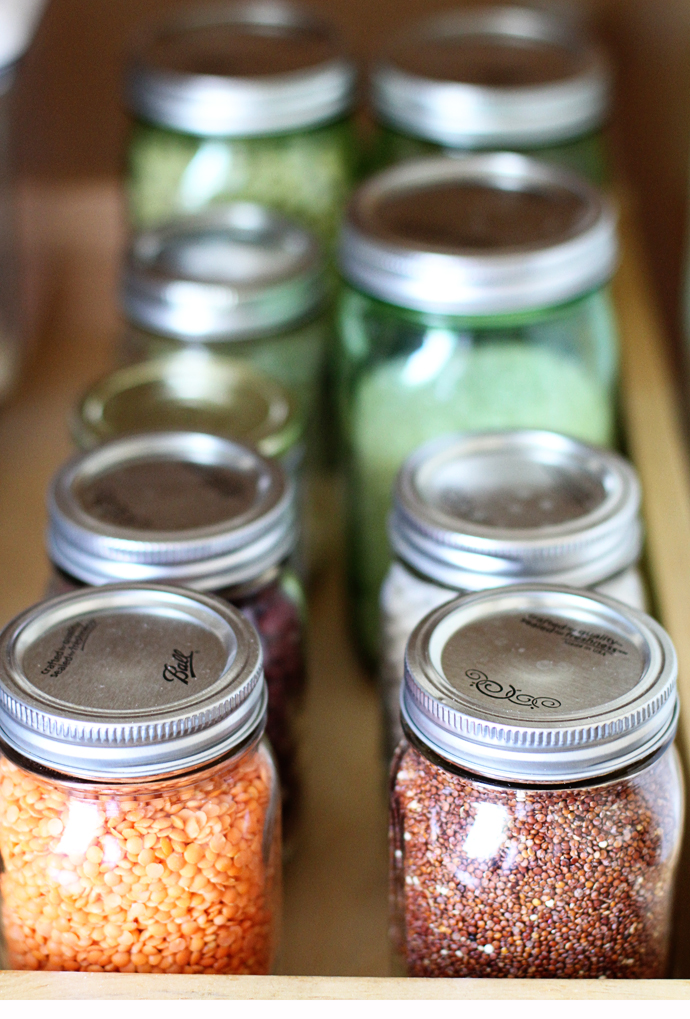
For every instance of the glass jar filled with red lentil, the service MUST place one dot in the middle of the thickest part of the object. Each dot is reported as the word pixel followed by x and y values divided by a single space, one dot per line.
pixel 537 799
pixel 206 513
pixel 139 804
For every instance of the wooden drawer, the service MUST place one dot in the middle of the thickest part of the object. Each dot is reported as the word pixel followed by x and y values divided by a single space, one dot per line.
pixel 335 930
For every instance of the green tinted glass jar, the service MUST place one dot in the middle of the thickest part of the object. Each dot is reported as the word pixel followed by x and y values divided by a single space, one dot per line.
pixel 239 281
pixel 477 300
pixel 248 101
pixel 497 78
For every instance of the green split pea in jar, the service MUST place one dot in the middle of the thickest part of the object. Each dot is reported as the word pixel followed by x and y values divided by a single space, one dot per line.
pixel 476 299
pixel 496 78
pixel 241 101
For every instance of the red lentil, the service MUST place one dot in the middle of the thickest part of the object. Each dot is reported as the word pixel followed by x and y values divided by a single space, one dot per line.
pixel 171 877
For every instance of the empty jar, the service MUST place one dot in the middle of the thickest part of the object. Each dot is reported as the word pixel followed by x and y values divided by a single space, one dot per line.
pixel 243 101
pixel 476 299
pixel 485 510
pixel 537 801
pixel 139 805
pixel 496 78
pixel 208 514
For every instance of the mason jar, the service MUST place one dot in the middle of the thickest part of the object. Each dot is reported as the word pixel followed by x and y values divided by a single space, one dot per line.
pixel 489 509
pixel 139 804
pixel 476 299
pixel 208 514
pixel 537 801
pixel 198 391
pixel 240 281
pixel 495 78
pixel 246 101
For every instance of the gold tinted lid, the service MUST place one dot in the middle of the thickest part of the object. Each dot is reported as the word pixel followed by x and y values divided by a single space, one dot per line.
pixel 191 391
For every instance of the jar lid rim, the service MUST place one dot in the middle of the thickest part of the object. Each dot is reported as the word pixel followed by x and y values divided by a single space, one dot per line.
pixel 274 275
pixel 477 691
pixel 471 115
pixel 140 719
pixel 456 280
pixel 439 528
pixel 254 516
pixel 216 105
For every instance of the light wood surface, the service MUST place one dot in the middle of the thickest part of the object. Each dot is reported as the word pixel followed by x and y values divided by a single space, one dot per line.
pixel 335 887
pixel 150 986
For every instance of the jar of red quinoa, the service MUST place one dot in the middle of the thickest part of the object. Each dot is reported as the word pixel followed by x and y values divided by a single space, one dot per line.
pixel 203 512
pixel 537 800
pixel 476 511
pixel 139 805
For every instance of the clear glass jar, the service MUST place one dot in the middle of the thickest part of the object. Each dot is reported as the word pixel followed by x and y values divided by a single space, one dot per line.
pixel 479 511
pixel 162 854
pixel 470 306
pixel 245 101
pixel 508 881
pixel 221 519
pixel 523 853
pixel 499 78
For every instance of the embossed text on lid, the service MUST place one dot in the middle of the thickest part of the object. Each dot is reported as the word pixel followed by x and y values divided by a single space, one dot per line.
pixel 129 680
pixel 540 684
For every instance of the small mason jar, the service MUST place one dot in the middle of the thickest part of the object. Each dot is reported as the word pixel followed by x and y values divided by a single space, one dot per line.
pixel 241 281
pixel 495 78
pixel 244 101
pixel 477 299
pixel 537 801
pixel 139 804
pixel 490 509
pixel 208 514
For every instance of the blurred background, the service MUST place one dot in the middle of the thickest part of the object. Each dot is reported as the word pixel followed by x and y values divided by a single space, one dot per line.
pixel 71 125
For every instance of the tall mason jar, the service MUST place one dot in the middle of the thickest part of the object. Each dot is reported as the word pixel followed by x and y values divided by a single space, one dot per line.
pixel 537 801
pixel 248 100
pixel 494 78
pixel 139 804
pixel 476 299
pixel 497 508
pixel 205 513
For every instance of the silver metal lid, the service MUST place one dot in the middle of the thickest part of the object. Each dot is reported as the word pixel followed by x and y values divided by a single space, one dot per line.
pixel 129 681
pixel 480 510
pixel 175 507
pixel 228 274
pixel 483 235
pixel 244 69
pixel 493 78
pixel 540 684
pixel 192 391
